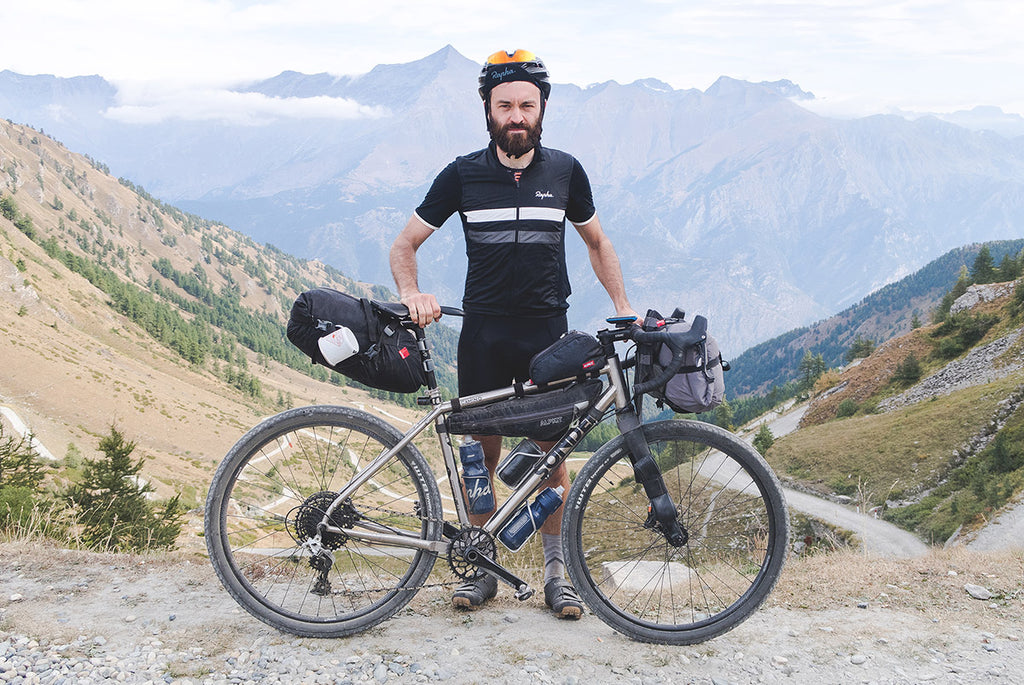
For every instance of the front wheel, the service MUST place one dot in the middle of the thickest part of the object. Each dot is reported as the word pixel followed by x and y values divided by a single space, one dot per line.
pixel 266 503
pixel 731 507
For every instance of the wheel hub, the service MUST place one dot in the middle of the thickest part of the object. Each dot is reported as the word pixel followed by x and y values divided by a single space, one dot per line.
pixel 304 521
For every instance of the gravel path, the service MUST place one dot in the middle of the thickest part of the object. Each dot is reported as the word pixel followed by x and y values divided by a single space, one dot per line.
pixel 75 617
pixel 1005 530
pixel 876 536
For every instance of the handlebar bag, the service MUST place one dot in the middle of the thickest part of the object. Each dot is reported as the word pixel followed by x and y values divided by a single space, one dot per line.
pixel 573 354
pixel 700 384
pixel 388 358
pixel 541 417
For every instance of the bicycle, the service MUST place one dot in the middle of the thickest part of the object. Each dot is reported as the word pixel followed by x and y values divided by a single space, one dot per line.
pixel 323 521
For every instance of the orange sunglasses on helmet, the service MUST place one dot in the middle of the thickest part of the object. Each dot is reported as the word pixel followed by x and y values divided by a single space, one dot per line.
pixel 502 57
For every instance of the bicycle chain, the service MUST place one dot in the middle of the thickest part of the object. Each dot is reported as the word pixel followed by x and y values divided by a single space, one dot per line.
pixel 441 521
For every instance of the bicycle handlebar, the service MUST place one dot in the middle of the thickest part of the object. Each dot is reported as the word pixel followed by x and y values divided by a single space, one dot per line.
pixel 678 343
pixel 400 312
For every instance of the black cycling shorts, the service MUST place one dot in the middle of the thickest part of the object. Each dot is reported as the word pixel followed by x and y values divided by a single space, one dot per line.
pixel 494 351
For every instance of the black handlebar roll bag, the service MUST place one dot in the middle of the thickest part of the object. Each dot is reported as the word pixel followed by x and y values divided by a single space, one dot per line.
pixel 388 358
pixel 700 384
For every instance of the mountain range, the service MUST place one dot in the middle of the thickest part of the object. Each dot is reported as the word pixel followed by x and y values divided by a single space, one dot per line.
pixel 739 201
pixel 119 310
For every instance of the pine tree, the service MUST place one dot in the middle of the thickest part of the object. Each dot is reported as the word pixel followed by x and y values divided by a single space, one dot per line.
pixel 908 371
pixel 963 282
pixel 764 439
pixel 811 368
pixel 861 348
pixel 114 511
pixel 1009 269
pixel 724 415
pixel 21 477
pixel 984 269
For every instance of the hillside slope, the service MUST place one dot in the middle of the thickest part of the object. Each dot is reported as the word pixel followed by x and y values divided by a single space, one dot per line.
pixel 80 354
pixel 932 439
pixel 881 316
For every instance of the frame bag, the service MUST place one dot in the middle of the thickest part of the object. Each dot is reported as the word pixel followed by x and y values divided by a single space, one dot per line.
pixel 387 357
pixel 573 354
pixel 700 384
pixel 541 417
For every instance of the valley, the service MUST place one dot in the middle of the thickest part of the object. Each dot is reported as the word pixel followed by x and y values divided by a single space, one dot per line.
pixel 77 361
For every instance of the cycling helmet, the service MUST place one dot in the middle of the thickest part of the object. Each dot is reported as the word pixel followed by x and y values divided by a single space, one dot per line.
pixel 521 65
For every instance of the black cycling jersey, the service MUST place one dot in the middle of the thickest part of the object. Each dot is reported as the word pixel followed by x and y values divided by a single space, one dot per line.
pixel 514 223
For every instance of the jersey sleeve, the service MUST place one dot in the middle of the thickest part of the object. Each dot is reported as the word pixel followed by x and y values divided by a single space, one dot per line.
pixel 443 198
pixel 580 208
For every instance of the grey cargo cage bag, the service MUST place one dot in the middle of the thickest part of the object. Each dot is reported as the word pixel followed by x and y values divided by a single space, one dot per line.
pixel 700 384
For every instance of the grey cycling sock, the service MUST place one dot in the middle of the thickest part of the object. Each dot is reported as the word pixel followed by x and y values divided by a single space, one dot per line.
pixel 554 562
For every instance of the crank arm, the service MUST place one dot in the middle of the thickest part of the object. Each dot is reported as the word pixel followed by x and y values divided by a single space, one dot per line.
pixel 474 556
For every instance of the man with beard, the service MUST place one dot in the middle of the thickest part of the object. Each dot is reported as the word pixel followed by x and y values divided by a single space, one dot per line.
pixel 513 198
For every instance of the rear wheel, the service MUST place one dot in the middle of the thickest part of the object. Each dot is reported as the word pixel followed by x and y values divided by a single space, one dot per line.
pixel 269 496
pixel 729 503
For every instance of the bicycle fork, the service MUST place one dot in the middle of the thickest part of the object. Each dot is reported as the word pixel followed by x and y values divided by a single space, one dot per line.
pixel 662 514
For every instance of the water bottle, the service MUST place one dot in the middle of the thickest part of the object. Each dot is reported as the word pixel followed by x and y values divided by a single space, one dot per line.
pixel 530 517
pixel 519 462
pixel 479 495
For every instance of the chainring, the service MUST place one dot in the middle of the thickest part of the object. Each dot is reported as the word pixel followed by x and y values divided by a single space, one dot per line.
pixel 470 536
pixel 303 522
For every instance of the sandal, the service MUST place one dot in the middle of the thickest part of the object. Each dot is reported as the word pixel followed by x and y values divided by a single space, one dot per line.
pixel 475 592
pixel 562 598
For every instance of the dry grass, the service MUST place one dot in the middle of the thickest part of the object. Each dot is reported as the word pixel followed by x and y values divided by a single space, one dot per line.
pixel 932 584
pixel 887 454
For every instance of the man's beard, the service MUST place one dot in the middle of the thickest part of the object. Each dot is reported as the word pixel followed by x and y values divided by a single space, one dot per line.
pixel 515 144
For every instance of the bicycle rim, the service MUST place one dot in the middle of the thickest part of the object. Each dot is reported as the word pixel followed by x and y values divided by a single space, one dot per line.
pixel 273 489
pixel 730 505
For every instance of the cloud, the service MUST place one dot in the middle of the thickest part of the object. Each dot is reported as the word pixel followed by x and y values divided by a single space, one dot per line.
pixel 916 53
pixel 247 109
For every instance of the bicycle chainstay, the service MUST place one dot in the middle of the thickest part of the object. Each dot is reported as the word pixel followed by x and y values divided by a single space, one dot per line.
pixel 321 571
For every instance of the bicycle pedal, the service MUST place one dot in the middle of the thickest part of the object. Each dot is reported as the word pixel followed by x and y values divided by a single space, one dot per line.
pixel 524 592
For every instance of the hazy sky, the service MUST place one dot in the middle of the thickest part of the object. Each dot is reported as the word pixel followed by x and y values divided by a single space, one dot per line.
pixel 856 56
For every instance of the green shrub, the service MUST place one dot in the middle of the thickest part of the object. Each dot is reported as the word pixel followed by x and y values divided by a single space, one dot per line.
pixel 847 407
pixel 764 439
pixel 112 507
pixel 16 505
pixel 908 372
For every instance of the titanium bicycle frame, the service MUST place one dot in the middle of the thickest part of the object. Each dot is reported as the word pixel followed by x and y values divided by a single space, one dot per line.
pixel 663 512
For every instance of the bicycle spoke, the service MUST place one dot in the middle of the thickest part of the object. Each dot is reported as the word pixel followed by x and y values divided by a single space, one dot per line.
pixel 267 503
pixel 642 585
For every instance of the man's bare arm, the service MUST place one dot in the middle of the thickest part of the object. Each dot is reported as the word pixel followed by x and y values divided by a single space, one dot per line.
pixel 423 307
pixel 606 264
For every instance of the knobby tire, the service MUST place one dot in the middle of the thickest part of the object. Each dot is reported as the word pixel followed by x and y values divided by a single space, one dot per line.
pixel 272 489
pixel 730 504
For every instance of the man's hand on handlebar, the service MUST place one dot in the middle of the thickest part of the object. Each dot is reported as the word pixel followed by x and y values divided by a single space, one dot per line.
pixel 638 320
pixel 423 308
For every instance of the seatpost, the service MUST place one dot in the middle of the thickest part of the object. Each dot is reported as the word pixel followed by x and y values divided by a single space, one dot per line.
pixel 433 393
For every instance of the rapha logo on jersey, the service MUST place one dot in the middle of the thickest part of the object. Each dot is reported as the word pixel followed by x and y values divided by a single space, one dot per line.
pixel 542 194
